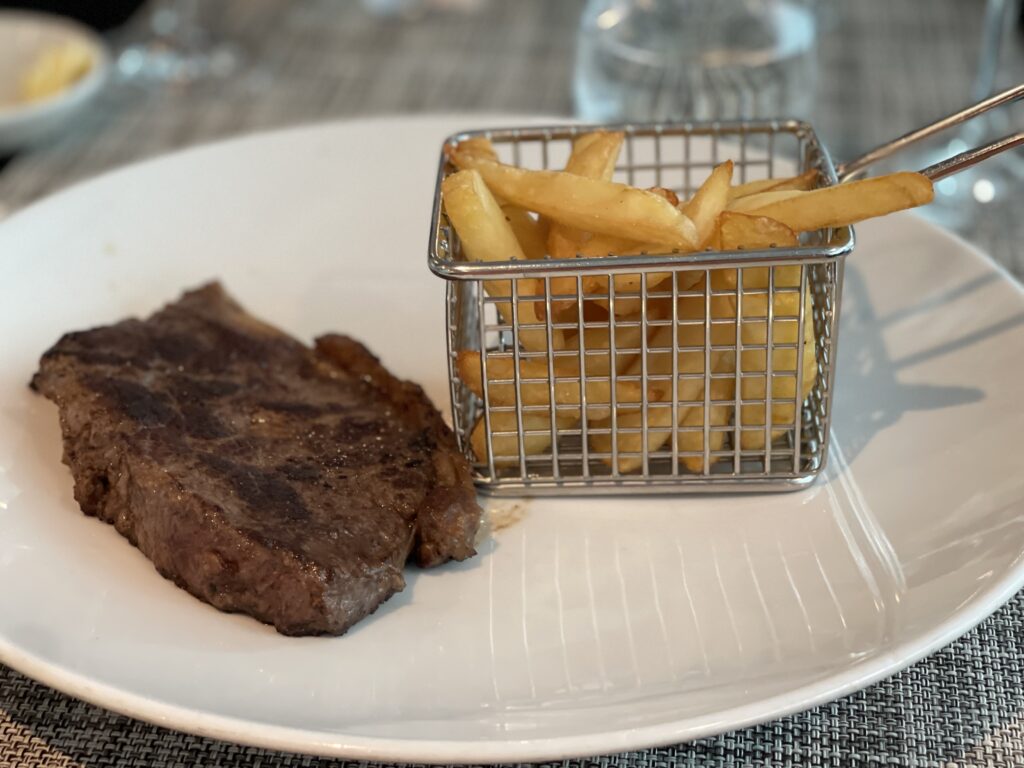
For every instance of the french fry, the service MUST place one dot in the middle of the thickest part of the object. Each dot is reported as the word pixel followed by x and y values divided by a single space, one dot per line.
pixel 753 233
pixel 591 314
pixel 538 392
pixel 804 181
pixel 786 307
pixel 720 415
pixel 659 421
pixel 709 201
pixel 703 209
pixel 603 245
pixel 506 447
pixel 593 205
pixel 849 203
pixel 625 305
pixel 580 211
pixel 630 282
pixel 659 417
pixel 478 145
pixel 530 232
pixel 659 425
pixel 487 236
pixel 594 156
pixel 598 340
pixel 599 246
pixel 715 241
pixel 752 203
pixel 532 237
pixel 668 194
pixel 752 188
pixel 742 231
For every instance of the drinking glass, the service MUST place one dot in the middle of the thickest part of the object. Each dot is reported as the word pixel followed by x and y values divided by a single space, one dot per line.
pixel 653 60
pixel 963 201
pixel 178 47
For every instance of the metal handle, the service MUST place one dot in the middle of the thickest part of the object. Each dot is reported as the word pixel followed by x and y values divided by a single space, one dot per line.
pixel 853 168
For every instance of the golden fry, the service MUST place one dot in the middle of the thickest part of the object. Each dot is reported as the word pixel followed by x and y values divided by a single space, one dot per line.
pixel 702 209
pixel 786 308
pixel 593 205
pixel 738 231
pixel 752 203
pixel 849 203
pixel 594 156
pixel 709 201
pixel 598 340
pixel 630 282
pixel 487 236
pixel 506 447
pixel 538 392
pixel 581 211
pixel 691 361
pixel 804 181
pixel 603 245
pixel 668 194
pixel 749 232
pixel 477 145
pixel 530 232
pixel 720 415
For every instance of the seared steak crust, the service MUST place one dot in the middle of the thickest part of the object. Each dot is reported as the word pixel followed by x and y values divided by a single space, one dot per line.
pixel 265 477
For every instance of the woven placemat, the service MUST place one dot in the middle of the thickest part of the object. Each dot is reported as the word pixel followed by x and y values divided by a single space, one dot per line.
pixel 884 67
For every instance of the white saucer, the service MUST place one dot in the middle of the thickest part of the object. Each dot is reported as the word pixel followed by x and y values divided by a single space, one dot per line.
pixel 24 36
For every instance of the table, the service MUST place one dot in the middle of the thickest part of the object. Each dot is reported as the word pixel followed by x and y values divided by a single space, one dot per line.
pixel 885 66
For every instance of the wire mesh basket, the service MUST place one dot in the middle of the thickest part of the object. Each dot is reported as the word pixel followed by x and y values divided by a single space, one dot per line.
pixel 655 373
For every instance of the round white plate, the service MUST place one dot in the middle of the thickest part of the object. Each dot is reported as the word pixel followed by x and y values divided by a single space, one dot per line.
pixel 588 626
pixel 24 35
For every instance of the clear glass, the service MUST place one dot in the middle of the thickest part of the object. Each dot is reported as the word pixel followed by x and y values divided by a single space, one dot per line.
pixel 976 199
pixel 695 59
pixel 178 47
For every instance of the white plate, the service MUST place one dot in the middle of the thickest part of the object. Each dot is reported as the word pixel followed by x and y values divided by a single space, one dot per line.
pixel 590 626
pixel 23 37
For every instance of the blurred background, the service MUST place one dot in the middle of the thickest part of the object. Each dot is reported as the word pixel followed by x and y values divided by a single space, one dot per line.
pixel 863 71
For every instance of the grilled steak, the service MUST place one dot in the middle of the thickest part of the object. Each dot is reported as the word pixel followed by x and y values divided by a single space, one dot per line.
pixel 288 483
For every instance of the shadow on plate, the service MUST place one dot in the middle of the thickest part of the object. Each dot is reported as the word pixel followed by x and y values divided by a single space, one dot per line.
pixel 867 367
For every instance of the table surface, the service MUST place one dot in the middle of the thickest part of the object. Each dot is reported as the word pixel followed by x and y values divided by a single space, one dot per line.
pixel 885 67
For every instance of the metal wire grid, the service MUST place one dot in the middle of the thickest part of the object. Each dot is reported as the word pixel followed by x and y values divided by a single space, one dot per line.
pixel 638 442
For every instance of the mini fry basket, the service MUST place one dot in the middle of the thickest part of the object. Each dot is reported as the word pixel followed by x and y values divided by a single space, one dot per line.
pixel 655 373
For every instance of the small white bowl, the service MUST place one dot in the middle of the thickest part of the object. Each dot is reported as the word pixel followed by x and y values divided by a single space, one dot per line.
pixel 24 36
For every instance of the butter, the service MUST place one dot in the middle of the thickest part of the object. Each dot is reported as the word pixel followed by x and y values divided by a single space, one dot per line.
pixel 54 70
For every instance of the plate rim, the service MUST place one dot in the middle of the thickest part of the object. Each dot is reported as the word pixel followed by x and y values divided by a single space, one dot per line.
pixel 321 743
pixel 310 742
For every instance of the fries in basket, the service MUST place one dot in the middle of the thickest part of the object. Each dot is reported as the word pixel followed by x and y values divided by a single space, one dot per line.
pixel 647 365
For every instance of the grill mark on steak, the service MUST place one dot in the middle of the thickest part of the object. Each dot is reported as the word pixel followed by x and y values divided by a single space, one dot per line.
pixel 261 475
pixel 143 406
pixel 258 487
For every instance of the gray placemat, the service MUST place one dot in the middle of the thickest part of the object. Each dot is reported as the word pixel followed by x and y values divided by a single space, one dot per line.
pixel 885 67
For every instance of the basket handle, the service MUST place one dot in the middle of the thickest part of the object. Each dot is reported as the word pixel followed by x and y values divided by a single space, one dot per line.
pixel 853 168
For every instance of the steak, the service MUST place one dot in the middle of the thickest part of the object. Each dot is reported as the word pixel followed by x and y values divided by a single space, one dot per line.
pixel 261 475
